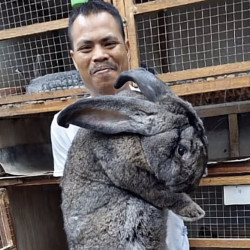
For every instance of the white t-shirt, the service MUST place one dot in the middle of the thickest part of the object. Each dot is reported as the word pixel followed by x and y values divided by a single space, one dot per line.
pixel 61 139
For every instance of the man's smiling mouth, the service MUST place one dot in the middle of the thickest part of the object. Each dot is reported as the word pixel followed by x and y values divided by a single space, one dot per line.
pixel 104 68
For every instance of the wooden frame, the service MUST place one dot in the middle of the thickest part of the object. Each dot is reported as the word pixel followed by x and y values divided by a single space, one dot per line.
pixel 13 106
pixel 129 10
pixel 6 226
pixel 220 243
pixel 134 9
pixel 54 101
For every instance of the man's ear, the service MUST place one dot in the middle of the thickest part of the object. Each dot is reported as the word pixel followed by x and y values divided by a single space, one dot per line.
pixel 72 56
pixel 127 44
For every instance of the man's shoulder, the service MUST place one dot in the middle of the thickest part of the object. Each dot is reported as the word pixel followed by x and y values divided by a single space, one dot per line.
pixel 60 131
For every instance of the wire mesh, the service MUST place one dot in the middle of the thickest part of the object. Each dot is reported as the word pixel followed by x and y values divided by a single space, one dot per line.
pixel 194 36
pixel 221 221
pixel 17 13
pixel 25 58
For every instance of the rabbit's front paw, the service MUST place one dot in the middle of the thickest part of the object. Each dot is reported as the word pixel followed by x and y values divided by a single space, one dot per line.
pixel 191 212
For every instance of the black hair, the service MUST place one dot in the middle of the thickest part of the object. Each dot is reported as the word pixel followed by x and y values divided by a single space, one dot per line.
pixel 94 7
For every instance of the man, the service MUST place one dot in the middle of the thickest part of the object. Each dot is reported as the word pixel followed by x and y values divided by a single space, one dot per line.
pixel 100 53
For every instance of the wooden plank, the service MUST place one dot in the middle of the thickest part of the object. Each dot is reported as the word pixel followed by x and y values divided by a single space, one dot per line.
pixel 226 168
pixel 205 72
pixel 181 90
pixel 225 180
pixel 121 8
pixel 37 217
pixel 42 96
pixel 233 135
pixel 223 109
pixel 34 29
pixel 37 182
pixel 161 4
pixel 34 108
pixel 29 181
pixel 6 222
pixel 211 86
pixel 47 102
pixel 10 182
pixel 220 243
pixel 132 34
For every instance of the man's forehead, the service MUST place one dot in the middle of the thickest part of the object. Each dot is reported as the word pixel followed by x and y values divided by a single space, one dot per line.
pixel 98 26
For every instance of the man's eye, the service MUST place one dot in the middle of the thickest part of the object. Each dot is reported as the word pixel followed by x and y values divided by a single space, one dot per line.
pixel 110 44
pixel 85 49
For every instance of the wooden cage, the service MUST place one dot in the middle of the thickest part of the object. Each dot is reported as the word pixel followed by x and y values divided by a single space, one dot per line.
pixel 201 48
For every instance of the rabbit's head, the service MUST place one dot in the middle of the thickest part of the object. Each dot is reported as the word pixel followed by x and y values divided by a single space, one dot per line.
pixel 172 135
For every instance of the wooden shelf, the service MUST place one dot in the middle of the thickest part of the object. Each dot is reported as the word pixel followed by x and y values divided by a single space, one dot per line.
pixel 26 104
pixel 225 180
pixel 35 107
pixel 29 181
pixel 49 179
pixel 34 29
pixel 220 243
pixel 209 86
pixel 15 99
pixel 11 106
pixel 223 109
pixel 159 5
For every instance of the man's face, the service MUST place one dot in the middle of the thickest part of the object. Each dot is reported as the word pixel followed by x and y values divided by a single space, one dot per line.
pixel 99 52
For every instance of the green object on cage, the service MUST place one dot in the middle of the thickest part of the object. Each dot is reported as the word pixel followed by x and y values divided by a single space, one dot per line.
pixel 77 3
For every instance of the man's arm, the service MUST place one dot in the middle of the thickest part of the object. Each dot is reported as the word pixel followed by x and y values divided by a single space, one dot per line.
pixel 61 139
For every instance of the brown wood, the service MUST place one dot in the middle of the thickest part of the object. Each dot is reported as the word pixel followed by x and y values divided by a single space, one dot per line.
pixel 121 7
pixel 42 96
pixel 34 29
pixel 181 90
pixel 233 135
pixel 132 34
pixel 208 71
pixel 55 101
pixel 219 97
pixel 37 217
pixel 161 4
pixel 30 181
pixel 208 86
pixel 223 109
pixel 225 180
pixel 6 224
pixel 229 168
pixel 206 181
pixel 33 108
pixel 220 243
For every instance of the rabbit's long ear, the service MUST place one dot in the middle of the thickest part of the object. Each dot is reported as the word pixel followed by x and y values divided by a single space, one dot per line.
pixel 157 91
pixel 152 87
pixel 112 114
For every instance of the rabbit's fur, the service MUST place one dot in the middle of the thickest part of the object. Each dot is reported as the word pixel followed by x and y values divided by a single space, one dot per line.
pixel 139 154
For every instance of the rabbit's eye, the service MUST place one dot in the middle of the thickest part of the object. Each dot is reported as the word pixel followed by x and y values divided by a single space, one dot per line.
pixel 181 150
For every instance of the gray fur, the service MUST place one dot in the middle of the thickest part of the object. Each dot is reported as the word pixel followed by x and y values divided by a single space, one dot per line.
pixel 124 170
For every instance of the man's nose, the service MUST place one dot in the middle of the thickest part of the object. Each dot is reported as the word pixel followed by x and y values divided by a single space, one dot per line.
pixel 99 54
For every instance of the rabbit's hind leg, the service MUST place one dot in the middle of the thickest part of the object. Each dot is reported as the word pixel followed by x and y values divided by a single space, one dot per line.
pixel 144 227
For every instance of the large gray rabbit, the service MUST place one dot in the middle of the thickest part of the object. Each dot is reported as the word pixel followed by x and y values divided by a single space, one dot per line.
pixel 139 154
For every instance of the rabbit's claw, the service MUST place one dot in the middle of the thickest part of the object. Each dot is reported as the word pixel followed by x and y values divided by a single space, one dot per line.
pixel 192 212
